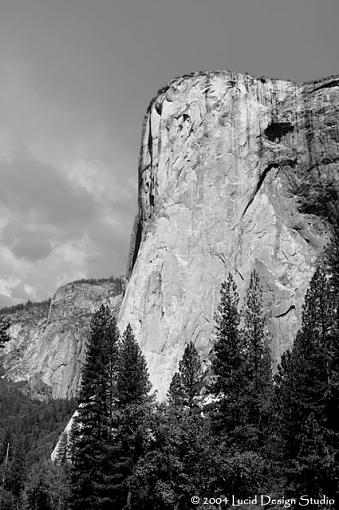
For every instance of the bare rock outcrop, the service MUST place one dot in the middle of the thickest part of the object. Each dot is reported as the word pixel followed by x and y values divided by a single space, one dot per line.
pixel 235 173
pixel 47 347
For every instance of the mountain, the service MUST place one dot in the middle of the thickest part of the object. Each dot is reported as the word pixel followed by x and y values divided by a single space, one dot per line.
pixel 236 173
pixel 48 340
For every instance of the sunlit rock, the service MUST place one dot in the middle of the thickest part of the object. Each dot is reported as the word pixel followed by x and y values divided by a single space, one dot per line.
pixel 48 343
pixel 232 177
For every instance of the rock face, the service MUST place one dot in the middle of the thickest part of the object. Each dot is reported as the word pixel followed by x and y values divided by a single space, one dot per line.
pixel 235 173
pixel 47 344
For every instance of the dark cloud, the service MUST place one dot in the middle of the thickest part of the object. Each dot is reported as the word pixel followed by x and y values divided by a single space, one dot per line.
pixel 37 189
pixel 31 242
pixel 31 247
pixel 5 301
pixel 45 208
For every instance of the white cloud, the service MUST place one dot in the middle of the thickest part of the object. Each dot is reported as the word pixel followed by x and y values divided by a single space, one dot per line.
pixel 7 284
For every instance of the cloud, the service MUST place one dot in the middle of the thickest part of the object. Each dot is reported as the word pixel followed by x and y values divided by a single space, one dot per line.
pixel 40 191
pixel 59 225
pixel 32 248
pixel 44 208
pixel 5 300
pixel 66 201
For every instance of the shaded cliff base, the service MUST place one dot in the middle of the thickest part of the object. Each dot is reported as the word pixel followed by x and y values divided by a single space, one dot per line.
pixel 48 339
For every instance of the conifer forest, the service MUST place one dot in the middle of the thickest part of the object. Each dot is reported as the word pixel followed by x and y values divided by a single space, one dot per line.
pixel 236 429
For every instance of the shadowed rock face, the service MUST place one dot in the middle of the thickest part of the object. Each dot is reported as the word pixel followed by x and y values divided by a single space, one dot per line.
pixel 235 173
pixel 47 346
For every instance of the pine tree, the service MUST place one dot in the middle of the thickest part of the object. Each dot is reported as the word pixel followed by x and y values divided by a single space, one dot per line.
pixel 186 384
pixel 175 392
pixel 58 483
pixel 132 382
pixel 331 263
pixel 314 468
pixel 37 497
pixel 228 361
pixel 302 379
pixel 257 372
pixel 36 494
pixel 93 426
pixel 306 397
pixel 4 334
pixel 46 487
pixel 254 335
pixel 154 476
pixel 185 458
pixel 135 410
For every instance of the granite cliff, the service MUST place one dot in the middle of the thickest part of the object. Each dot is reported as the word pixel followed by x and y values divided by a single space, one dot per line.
pixel 48 340
pixel 235 173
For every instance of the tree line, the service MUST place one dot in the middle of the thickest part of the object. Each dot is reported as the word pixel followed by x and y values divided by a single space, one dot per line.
pixel 234 428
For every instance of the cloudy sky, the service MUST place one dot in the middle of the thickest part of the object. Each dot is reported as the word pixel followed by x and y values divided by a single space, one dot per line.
pixel 75 80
